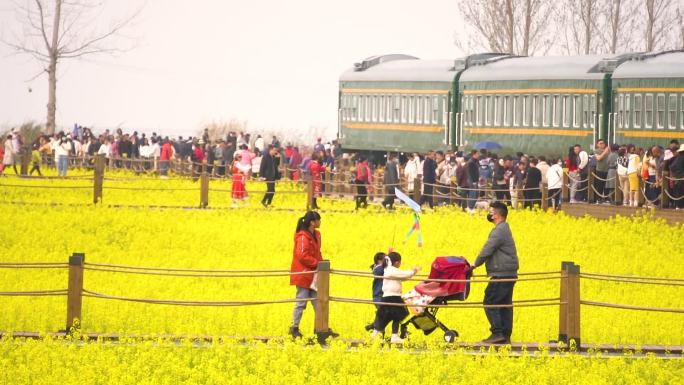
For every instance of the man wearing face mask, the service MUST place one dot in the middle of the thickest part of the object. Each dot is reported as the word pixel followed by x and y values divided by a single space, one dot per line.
pixel 500 258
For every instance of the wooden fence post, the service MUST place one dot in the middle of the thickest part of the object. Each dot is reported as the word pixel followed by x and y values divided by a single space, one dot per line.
pixel 75 291
pixel 544 196
pixel 309 192
pixel 617 192
pixel 569 313
pixel 25 160
pixel 640 196
pixel 328 184
pixel 665 187
pixel 204 189
pixel 98 178
pixel 416 190
pixel 590 186
pixel 565 191
pixel 323 301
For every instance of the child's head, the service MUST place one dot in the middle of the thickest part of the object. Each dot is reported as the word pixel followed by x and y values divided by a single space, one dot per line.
pixel 394 259
pixel 378 258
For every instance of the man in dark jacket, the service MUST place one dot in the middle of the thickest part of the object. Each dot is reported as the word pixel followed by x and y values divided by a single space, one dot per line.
pixel 500 258
pixel 269 171
pixel 473 167
pixel 429 178
pixel 531 191
pixel 391 180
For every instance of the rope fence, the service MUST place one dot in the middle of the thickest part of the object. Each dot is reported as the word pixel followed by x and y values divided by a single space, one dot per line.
pixel 337 184
pixel 568 302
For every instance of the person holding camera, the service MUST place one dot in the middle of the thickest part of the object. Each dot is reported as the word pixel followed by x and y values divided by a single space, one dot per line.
pixel 61 147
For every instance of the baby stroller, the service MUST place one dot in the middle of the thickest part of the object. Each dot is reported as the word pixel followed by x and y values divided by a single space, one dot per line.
pixel 437 293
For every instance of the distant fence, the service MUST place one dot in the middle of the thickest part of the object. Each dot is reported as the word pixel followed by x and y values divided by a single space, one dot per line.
pixel 568 300
pixel 340 184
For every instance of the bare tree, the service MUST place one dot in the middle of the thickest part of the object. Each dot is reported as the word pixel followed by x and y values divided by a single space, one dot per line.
pixel 581 21
pixel 513 26
pixel 55 30
pixel 680 18
pixel 661 20
pixel 620 18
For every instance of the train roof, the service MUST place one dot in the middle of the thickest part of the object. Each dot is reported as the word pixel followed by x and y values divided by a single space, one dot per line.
pixel 536 68
pixel 404 69
pixel 669 64
pixel 398 67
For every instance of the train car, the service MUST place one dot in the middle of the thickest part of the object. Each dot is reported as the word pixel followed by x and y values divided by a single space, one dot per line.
pixel 400 103
pixel 536 105
pixel 648 99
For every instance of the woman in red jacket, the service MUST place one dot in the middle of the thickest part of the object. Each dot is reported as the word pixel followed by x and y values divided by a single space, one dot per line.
pixel 305 258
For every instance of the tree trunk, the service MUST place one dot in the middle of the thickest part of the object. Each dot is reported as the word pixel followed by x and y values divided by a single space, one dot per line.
pixel 615 28
pixel 587 26
pixel 52 70
pixel 510 26
pixel 650 21
pixel 528 26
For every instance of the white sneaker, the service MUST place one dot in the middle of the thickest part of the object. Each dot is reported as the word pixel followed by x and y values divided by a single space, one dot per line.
pixel 471 211
pixel 396 340
pixel 375 334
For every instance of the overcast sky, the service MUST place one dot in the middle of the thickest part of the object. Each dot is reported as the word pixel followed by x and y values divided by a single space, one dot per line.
pixel 273 63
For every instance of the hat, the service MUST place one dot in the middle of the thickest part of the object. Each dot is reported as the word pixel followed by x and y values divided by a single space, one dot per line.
pixel 681 149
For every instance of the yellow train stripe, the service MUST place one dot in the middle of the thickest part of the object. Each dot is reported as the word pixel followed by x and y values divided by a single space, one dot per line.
pixel 533 91
pixel 391 91
pixel 652 134
pixel 650 89
pixel 393 127
pixel 528 131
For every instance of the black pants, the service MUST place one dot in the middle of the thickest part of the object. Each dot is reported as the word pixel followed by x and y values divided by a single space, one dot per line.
pixel 361 194
pixel 600 185
pixel 270 192
pixel 532 197
pixel 394 314
pixel 389 199
pixel 555 198
pixel 581 190
pixel 36 167
pixel 427 195
pixel 679 193
pixel 500 318
pixel 503 193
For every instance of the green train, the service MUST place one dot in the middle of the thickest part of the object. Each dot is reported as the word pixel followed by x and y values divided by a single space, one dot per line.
pixel 536 105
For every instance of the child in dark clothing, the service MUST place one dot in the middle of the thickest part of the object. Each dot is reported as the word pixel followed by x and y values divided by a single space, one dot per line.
pixel 378 272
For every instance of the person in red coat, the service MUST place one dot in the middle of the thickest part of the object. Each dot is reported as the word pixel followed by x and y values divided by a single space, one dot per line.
pixel 316 169
pixel 305 258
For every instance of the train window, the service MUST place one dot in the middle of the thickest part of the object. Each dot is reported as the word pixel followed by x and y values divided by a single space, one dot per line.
pixel 362 108
pixel 490 111
pixel 648 111
pixel 419 109
pixel 479 107
pixel 518 110
pixel 567 116
pixel 627 120
pixel 410 106
pixel 467 118
pixel 444 108
pixel 498 110
pixel 672 112
pixel 681 113
pixel 577 121
pixel 381 108
pixel 508 114
pixel 585 108
pixel 527 110
pixel 660 111
pixel 538 110
pixel 592 111
pixel 619 111
pixel 396 108
pixel 404 108
pixel 557 110
pixel 638 106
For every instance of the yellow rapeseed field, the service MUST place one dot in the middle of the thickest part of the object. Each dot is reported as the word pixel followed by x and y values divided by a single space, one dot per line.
pixel 254 238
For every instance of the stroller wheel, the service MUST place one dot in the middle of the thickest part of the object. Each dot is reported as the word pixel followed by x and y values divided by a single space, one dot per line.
pixel 450 336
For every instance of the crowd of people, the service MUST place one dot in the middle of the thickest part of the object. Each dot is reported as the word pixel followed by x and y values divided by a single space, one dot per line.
pixel 476 175
pixel 519 178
